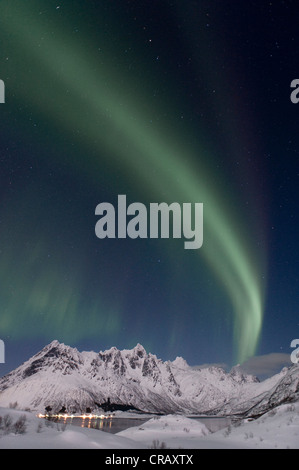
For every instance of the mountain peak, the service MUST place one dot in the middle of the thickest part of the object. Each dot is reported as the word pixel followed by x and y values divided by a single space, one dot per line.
pixel 180 363
pixel 239 375
pixel 139 349
pixel 60 376
pixel 113 349
pixel 54 344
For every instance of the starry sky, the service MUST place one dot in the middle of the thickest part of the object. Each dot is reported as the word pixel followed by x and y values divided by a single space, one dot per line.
pixel 161 101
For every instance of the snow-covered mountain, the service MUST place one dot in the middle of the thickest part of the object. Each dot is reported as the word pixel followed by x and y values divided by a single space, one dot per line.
pixel 61 376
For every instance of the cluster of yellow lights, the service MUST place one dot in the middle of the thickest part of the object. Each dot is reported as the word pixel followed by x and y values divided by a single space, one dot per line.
pixel 84 416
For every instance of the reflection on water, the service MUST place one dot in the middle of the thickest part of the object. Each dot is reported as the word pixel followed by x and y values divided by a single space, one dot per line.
pixel 215 424
pixel 112 425
pixel 115 425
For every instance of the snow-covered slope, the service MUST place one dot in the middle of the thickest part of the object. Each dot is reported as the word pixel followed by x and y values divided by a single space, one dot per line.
pixel 42 434
pixel 62 376
pixel 276 429
pixel 283 391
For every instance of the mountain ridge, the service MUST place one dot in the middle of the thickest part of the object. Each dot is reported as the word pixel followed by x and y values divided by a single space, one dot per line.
pixel 61 376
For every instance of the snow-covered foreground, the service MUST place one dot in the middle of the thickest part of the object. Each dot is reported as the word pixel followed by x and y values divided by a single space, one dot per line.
pixel 42 434
pixel 278 429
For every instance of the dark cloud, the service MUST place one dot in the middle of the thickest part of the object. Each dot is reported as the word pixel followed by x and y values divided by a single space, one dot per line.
pixel 266 365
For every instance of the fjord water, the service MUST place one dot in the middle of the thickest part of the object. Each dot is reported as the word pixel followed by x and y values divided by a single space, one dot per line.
pixel 112 425
pixel 115 424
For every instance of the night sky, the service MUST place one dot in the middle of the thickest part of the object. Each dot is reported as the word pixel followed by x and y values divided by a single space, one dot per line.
pixel 161 101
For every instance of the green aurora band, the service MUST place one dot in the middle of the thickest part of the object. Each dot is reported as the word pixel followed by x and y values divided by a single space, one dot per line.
pixel 68 85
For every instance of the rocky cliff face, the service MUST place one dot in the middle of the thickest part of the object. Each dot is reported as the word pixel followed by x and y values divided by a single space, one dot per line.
pixel 61 376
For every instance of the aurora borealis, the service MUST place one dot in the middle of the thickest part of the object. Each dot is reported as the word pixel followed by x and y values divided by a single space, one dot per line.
pixel 163 104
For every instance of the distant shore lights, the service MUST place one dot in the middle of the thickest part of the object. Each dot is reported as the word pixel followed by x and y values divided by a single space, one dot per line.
pixel 68 416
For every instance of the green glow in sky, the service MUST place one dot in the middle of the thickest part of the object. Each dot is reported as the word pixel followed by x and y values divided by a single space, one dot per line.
pixel 74 91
